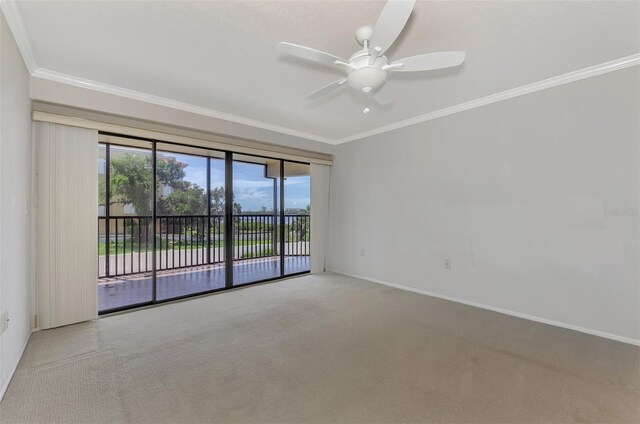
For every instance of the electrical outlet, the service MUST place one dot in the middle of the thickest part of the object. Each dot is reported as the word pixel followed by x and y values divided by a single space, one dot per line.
pixel 362 252
pixel 447 264
pixel 4 322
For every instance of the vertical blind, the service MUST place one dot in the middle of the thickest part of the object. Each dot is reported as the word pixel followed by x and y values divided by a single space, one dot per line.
pixel 320 176
pixel 67 198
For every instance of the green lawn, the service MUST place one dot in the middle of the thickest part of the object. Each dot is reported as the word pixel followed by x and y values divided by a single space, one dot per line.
pixel 176 246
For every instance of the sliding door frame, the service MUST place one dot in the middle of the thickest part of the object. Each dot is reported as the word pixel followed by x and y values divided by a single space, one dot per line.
pixel 154 221
pixel 282 238
pixel 229 222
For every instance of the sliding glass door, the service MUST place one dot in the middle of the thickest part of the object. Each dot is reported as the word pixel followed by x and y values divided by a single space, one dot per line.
pixel 125 232
pixel 297 217
pixel 256 223
pixel 189 221
pixel 176 221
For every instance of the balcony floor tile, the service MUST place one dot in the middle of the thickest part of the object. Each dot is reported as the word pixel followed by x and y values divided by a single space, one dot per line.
pixel 136 289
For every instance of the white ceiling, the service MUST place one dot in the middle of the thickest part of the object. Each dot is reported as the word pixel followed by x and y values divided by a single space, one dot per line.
pixel 222 55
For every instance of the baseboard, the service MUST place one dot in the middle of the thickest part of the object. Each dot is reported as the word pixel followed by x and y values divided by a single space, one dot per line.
pixel 603 334
pixel 14 368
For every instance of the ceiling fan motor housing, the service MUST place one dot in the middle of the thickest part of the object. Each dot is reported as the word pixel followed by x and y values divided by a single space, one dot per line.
pixel 366 70
pixel 365 77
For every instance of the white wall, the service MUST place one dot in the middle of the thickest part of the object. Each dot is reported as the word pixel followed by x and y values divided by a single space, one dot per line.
pixel 516 195
pixel 15 210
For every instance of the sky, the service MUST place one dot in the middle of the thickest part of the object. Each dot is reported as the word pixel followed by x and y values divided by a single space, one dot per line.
pixel 251 189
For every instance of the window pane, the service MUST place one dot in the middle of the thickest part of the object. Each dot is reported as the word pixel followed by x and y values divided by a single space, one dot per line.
pixel 190 249
pixel 125 260
pixel 297 217
pixel 256 186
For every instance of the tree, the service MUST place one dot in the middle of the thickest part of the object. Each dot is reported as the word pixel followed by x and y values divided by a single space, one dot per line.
pixel 130 183
pixel 217 202
pixel 191 201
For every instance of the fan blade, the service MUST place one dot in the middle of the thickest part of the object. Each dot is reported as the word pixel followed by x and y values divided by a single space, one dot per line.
pixel 308 53
pixel 326 89
pixel 429 61
pixel 390 23
pixel 384 96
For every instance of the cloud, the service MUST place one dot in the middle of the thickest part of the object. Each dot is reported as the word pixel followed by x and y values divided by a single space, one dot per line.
pixel 196 175
pixel 248 184
pixel 250 194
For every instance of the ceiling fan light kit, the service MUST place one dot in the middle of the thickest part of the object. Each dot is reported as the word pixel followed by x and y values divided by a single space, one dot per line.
pixel 367 69
pixel 363 76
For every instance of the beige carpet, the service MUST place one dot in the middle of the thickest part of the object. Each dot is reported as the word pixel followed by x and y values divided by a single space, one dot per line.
pixel 321 349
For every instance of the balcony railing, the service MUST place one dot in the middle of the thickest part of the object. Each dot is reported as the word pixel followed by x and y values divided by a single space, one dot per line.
pixel 193 240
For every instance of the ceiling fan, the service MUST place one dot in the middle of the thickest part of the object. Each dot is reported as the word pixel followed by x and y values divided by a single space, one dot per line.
pixel 367 69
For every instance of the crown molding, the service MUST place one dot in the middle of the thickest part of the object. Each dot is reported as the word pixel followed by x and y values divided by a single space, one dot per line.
pixel 15 22
pixel 592 71
pixel 567 78
pixel 173 104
